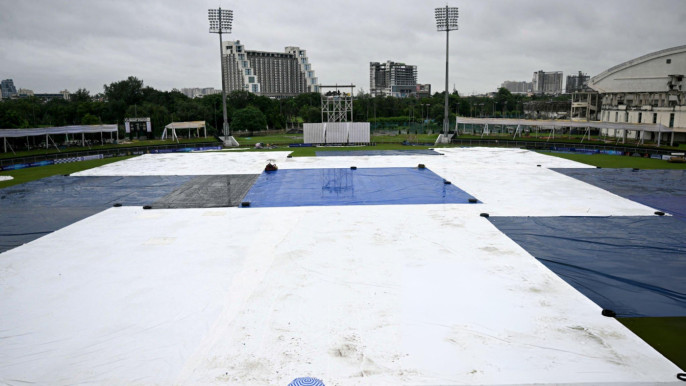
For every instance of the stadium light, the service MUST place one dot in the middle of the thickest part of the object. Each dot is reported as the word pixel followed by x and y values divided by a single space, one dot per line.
pixel 220 23
pixel 446 20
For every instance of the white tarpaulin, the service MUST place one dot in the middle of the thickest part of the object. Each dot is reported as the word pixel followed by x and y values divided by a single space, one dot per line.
pixel 387 294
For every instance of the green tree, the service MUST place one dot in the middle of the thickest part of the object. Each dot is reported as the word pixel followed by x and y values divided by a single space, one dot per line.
pixel 129 91
pixel 310 114
pixel 90 119
pixel 10 119
pixel 81 95
pixel 248 119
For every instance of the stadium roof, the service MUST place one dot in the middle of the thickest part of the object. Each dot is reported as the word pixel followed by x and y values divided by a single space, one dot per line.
pixel 564 123
pixel 76 129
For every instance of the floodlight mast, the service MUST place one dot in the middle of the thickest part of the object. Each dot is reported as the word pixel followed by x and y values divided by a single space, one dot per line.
pixel 446 20
pixel 220 22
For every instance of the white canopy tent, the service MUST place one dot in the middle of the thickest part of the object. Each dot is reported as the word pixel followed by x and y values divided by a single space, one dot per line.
pixel 197 125
pixel 48 131
pixel 557 124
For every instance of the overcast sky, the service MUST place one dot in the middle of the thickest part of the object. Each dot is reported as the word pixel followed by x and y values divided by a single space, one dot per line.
pixel 50 45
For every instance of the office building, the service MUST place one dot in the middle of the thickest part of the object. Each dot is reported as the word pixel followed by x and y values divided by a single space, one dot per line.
pixel 272 74
pixel 577 83
pixel 197 92
pixel 423 90
pixel 8 89
pixel 392 79
pixel 549 83
pixel 517 87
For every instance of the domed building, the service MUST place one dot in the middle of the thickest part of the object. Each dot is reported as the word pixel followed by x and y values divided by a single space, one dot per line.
pixel 649 89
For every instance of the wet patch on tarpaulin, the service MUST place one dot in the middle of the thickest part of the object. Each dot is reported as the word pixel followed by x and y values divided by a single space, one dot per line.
pixel 364 186
pixel 209 192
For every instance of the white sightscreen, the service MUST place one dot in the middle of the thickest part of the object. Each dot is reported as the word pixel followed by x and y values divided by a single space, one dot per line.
pixel 337 132
pixel 358 132
pixel 313 132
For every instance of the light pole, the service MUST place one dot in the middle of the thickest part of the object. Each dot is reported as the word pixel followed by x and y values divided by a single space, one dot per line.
pixel 446 20
pixel 220 22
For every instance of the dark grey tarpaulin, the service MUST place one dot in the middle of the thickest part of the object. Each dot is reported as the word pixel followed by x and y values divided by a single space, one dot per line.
pixel 36 208
pixel 660 189
pixel 634 266
pixel 209 192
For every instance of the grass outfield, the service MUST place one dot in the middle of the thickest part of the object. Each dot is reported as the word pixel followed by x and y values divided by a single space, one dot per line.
pixel 618 161
pixel 666 335
pixel 52 150
pixel 285 139
pixel 29 174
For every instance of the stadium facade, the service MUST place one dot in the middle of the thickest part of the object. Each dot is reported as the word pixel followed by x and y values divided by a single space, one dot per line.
pixel 648 89
pixel 272 74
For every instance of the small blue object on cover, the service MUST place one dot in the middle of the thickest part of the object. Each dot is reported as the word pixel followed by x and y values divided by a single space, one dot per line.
pixel 345 186
pixel 306 381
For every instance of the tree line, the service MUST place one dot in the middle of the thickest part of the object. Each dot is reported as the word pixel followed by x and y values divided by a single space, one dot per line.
pixel 246 111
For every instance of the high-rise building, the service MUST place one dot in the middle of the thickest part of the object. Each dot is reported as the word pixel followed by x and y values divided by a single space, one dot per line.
pixel 392 79
pixel 547 82
pixel 517 87
pixel 8 89
pixel 576 83
pixel 423 90
pixel 272 74
pixel 197 92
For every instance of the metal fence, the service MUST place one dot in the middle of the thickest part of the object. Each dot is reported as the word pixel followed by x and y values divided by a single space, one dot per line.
pixel 536 145
pixel 113 152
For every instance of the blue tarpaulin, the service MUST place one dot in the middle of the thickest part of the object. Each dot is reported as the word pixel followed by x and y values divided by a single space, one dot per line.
pixel 634 266
pixel 361 153
pixel 368 186
pixel 660 189
pixel 39 207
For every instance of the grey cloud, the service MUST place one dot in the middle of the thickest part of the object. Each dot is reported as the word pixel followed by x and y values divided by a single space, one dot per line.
pixel 49 45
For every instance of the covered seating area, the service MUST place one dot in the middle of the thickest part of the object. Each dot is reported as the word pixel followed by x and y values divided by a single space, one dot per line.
pixel 620 130
pixel 170 129
pixel 77 133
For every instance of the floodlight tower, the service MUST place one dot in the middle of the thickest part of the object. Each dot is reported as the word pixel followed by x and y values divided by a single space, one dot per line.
pixel 446 20
pixel 220 22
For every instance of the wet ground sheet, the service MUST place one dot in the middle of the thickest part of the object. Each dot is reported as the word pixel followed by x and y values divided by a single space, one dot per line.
pixel 633 266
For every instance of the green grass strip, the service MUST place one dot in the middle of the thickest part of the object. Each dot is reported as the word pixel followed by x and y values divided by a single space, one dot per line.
pixel 122 144
pixel 618 161
pixel 666 335
pixel 29 174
